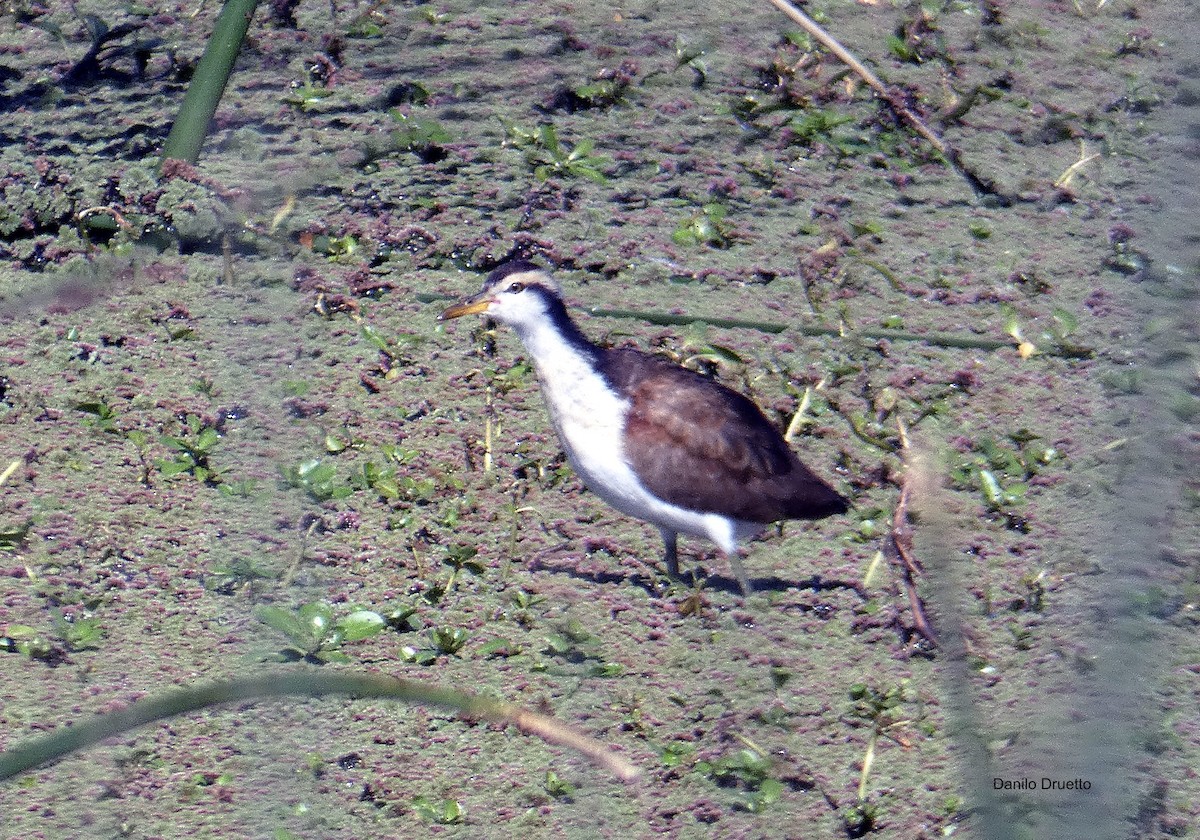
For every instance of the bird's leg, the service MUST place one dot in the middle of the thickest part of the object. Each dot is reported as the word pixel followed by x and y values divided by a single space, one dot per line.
pixel 670 552
pixel 739 572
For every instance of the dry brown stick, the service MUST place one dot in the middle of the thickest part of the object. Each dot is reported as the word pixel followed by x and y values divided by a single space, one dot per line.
pixel 900 543
pixel 893 97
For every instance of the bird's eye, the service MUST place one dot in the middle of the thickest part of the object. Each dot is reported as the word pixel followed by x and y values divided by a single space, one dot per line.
pixel 516 287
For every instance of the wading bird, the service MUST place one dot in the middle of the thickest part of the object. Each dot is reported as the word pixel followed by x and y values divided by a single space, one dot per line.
pixel 654 440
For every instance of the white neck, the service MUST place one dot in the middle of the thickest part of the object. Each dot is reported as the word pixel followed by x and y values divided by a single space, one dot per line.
pixel 580 401
pixel 562 367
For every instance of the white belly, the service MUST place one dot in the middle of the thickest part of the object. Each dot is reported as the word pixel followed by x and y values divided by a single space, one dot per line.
pixel 589 419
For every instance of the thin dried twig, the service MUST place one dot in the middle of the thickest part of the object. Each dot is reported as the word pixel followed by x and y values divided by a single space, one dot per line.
pixel 899 547
pixel 1064 180
pixel 117 218
pixel 9 470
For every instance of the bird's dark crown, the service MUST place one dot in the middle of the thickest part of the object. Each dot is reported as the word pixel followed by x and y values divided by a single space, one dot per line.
pixel 508 269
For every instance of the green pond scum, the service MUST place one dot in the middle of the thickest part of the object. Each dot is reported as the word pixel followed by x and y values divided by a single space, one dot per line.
pixel 252 491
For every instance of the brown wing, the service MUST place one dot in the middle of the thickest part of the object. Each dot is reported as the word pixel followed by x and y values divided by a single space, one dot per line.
pixel 699 445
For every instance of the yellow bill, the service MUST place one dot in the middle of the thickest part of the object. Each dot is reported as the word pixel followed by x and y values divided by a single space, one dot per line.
pixel 470 306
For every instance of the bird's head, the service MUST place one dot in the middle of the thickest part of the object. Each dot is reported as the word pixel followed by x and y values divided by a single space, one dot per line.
pixel 517 293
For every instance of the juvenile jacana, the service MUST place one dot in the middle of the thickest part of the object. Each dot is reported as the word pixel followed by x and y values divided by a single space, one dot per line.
pixel 654 440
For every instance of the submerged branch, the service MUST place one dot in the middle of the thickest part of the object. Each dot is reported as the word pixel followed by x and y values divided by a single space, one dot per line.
pixel 955 340
pixel 68 739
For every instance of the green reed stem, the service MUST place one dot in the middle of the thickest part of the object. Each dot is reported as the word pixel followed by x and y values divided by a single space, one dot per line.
pixel 208 83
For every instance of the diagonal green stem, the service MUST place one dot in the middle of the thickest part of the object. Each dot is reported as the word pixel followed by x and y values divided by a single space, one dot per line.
pixel 68 739
pixel 208 84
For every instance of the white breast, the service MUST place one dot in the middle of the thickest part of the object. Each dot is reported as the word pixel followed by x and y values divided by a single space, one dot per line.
pixel 590 420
